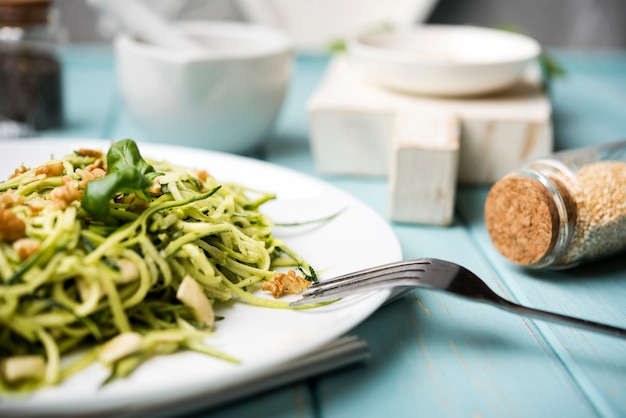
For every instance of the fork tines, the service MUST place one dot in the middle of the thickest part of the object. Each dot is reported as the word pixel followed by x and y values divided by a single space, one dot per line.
pixel 398 274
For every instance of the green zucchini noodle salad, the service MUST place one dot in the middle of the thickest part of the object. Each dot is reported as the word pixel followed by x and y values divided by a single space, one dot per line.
pixel 114 259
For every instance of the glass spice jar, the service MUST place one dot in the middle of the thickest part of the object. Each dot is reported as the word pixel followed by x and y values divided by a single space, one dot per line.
pixel 30 70
pixel 562 210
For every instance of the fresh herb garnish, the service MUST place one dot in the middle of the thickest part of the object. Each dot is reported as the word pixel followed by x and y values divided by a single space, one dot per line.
pixel 127 172
pixel 551 69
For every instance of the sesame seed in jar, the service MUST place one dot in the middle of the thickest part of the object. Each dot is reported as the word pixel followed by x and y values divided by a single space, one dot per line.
pixel 548 215
pixel 600 198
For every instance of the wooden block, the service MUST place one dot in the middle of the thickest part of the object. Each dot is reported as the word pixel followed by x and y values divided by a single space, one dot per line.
pixel 424 166
pixel 351 124
pixel 352 141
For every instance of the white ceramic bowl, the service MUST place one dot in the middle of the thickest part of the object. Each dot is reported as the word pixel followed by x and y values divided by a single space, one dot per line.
pixel 314 25
pixel 444 60
pixel 226 100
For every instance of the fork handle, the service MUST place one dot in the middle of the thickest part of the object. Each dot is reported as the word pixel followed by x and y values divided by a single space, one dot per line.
pixel 563 319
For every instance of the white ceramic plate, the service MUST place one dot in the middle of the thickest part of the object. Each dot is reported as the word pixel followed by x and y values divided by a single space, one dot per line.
pixel 444 60
pixel 261 338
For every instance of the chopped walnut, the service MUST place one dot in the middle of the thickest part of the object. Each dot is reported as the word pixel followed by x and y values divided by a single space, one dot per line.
pixel 11 226
pixel 64 195
pixel 86 152
pixel 96 164
pixel 25 247
pixel 155 189
pixel 50 170
pixel 203 175
pixel 10 199
pixel 87 175
pixel 20 170
pixel 36 205
pixel 283 284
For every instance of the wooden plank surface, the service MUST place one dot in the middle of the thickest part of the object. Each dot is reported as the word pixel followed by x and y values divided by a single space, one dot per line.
pixel 436 356
pixel 593 99
pixel 594 292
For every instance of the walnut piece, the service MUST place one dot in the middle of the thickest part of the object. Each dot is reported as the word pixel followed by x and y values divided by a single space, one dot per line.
pixel 20 170
pixel 25 247
pixel 155 189
pixel 89 174
pixel 96 164
pixel 35 206
pixel 203 175
pixel 286 283
pixel 10 199
pixel 11 226
pixel 64 195
pixel 86 152
pixel 50 170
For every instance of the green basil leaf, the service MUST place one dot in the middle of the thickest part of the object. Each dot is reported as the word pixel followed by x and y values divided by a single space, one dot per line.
pixel 125 154
pixel 99 192
pixel 127 172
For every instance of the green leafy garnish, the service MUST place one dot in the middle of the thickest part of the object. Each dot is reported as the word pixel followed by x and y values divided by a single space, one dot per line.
pixel 551 69
pixel 127 172
pixel 338 45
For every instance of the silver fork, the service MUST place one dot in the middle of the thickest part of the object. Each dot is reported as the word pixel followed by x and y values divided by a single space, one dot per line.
pixel 435 274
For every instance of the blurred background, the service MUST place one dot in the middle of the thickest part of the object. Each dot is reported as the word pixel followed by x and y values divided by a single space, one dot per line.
pixel 582 24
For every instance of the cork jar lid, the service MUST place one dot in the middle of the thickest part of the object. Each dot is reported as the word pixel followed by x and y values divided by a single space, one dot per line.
pixel 22 13
pixel 522 219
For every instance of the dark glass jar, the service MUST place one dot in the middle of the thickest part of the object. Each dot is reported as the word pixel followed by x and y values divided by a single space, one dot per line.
pixel 563 210
pixel 31 98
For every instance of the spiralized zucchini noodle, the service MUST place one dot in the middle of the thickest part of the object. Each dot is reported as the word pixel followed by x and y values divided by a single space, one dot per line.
pixel 119 259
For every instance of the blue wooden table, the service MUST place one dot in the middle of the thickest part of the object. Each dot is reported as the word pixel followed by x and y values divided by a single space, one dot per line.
pixel 432 354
